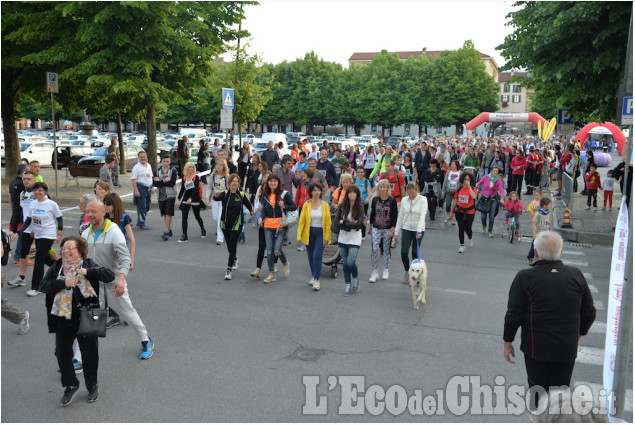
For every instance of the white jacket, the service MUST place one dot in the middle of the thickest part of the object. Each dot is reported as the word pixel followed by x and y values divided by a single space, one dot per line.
pixel 412 214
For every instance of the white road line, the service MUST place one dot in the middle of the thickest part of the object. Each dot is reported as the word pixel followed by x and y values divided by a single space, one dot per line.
pixel 590 355
pixel 572 253
pixel 596 388
pixel 587 275
pixel 457 291
pixel 593 289
pixel 575 263
pixel 598 327
pixel 599 305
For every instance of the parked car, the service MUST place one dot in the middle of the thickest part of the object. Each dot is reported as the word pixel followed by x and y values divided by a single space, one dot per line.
pixel 70 154
pixel 34 151
pixel 175 162
pixel 371 138
pixel 98 158
pixel 162 147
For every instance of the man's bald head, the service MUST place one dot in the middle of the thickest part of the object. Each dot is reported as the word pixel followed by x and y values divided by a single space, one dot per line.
pixel 96 213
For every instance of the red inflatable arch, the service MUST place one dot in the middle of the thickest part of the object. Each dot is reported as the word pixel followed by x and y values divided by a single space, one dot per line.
pixel 617 134
pixel 484 117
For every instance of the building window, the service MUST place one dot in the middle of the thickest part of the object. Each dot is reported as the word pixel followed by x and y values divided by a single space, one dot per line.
pixel 517 88
pixel 505 98
pixel 505 88
pixel 516 98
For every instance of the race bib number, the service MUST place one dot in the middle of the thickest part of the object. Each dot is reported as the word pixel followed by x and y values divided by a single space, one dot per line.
pixel 463 199
pixel 189 184
pixel 323 172
pixel 37 221
pixel 392 186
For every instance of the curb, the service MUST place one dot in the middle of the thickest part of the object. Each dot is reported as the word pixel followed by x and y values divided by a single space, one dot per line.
pixel 573 235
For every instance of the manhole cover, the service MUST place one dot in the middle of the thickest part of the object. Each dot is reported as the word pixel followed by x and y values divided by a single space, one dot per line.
pixel 307 354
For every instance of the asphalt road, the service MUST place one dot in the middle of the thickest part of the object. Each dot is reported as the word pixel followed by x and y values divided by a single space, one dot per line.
pixel 232 351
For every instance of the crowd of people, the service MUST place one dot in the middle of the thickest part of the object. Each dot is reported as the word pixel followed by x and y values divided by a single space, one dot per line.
pixel 334 196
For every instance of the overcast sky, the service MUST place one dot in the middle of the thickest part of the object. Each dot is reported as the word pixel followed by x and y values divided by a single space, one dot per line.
pixel 334 30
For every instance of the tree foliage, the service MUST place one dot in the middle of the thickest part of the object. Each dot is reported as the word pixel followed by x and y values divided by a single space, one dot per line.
pixel 574 53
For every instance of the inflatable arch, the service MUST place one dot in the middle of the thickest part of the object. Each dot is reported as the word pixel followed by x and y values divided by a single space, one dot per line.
pixel 617 134
pixel 484 117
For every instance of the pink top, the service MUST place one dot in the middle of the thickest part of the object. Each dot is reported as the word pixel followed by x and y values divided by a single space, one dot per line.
pixel 489 188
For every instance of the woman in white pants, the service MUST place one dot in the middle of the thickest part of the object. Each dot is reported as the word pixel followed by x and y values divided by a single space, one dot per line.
pixel 217 183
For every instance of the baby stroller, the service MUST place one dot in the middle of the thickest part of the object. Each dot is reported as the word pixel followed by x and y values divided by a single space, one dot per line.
pixel 331 254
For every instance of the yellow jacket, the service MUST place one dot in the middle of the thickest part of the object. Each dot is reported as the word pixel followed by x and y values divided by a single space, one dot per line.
pixel 305 223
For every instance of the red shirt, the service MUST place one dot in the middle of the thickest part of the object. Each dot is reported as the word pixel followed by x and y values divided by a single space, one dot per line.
pixel 593 180
pixel 396 183
pixel 464 199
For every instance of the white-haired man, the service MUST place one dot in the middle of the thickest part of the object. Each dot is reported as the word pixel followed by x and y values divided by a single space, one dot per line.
pixel 553 306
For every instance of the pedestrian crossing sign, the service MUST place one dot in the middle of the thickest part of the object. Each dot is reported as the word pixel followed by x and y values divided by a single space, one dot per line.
pixel 228 98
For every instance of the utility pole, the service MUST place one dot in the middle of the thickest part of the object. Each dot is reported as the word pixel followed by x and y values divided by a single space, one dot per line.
pixel 625 333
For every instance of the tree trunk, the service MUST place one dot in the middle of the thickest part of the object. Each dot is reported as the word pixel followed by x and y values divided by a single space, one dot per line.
pixel 122 153
pixel 11 146
pixel 151 121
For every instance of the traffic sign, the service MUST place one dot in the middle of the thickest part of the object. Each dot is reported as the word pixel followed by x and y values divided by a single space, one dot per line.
pixel 228 99
pixel 627 110
pixel 226 119
pixel 51 82
pixel 565 116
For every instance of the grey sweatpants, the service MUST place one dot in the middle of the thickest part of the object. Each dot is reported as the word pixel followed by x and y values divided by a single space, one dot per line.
pixel 123 307
pixel 11 312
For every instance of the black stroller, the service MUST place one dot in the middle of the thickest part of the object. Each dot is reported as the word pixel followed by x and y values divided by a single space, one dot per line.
pixel 331 254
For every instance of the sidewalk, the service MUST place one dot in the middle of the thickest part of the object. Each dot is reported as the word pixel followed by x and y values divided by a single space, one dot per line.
pixel 589 227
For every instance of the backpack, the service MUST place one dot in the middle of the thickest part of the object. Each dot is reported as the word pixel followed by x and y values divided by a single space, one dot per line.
pixel 570 168
pixel 6 248
pixel 290 217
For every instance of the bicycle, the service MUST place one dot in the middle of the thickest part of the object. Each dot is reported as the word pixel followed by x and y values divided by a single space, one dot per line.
pixel 512 229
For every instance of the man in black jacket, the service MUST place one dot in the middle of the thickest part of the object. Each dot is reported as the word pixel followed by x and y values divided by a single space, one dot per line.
pixel 553 306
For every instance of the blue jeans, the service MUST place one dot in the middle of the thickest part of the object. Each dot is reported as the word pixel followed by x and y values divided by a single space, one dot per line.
pixel 273 240
pixel 314 251
pixel 18 248
pixel 516 219
pixel 143 204
pixel 493 210
pixel 349 257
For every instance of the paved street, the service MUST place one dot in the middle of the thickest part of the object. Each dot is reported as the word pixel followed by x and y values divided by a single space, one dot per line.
pixel 225 350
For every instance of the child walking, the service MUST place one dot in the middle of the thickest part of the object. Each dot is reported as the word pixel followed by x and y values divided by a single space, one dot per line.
pixel 541 222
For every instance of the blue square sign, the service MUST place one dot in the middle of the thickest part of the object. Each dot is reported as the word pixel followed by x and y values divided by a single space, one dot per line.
pixel 228 99
pixel 565 116
pixel 627 110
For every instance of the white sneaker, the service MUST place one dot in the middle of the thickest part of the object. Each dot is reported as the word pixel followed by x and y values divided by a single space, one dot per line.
pixel 255 273
pixel 405 278
pixel 18 281
pixel 595 209
pixel 301 248
pixel 286 271
pixel 23 326
pixel 461 249
pixel 373 276
pixel 228 275
pixel 385 274
pixel 32 293
pixel 587 208
pixel 445 220
pixel 235 266
pixel 454 222
pixel 311 282
pixel 270 278
pixel 316 285
pixel 471 243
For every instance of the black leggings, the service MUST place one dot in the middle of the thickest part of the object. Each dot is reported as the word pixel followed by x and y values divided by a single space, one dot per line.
pixel 197 214
pixel 432 204
pixel 231 238
pixel 42 257
pixel 465 225
pixel 517 184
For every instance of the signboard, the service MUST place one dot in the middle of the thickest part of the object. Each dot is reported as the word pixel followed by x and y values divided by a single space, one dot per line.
pixel 498 117
pixel 627 110
pixel 565 116
pixel 51 82
pixel 228 99
pixel 565 129
pixel 226 119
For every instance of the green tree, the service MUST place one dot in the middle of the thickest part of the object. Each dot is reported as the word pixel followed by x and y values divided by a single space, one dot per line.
pixel 574 53
pixel 461 88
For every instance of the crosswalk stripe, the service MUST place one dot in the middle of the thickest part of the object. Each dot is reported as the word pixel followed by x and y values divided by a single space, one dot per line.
pixel 575 263
pixel 587 275
pixel 590 355
pixel 572 253
pixel 598 327
pixel 596 388
pixel 593 289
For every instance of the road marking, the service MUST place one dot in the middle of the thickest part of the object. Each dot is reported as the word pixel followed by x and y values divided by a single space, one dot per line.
pixel 590 355
pixel 575 263
pixel 572 253
pixel 593 289
pixel 599 305
pixel 453 291
pixel 587 275
pixel 596 388
pixel 598 327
